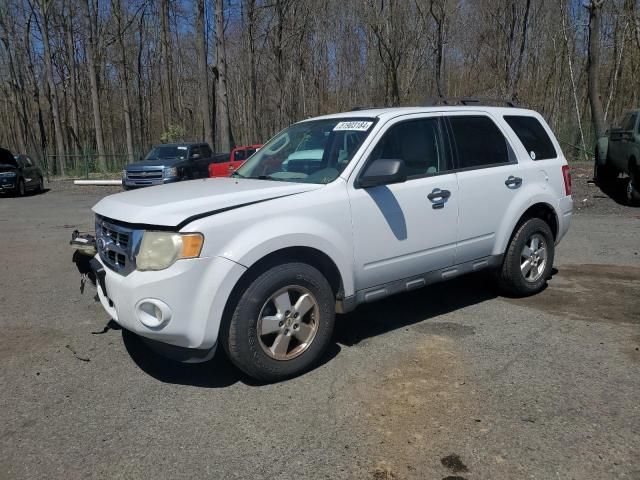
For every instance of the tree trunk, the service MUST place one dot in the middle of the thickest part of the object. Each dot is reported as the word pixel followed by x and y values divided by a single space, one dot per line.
pixel 73 79
pixel 141 114
pixel 593 67
pixel 168 110
pixel 253 89
pixel 55 109
pixel 124 78
pixel 223 101
pixel 93 81
pixel 203 72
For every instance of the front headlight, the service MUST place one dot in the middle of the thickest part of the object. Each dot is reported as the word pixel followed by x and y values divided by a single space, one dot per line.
pixel 170 172
pixel 8 174
pixel 160 250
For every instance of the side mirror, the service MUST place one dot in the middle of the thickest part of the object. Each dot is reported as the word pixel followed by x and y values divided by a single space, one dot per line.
pixel 383 171
pixel 195 156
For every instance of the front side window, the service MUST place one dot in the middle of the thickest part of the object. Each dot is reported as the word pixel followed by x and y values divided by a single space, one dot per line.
pixel 479 142
pixel 533 136
pixel 417 143
pixel 315 151
pixel 238 155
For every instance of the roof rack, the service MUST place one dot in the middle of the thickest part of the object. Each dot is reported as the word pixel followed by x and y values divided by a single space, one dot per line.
pixel 469 101
pixel 357 109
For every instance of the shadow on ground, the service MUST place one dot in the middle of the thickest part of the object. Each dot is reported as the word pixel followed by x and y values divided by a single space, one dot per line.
pixel 218 372
pixel 410 308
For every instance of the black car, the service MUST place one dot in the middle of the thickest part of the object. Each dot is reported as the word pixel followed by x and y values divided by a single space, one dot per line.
pixel 167 163
pixel 18 173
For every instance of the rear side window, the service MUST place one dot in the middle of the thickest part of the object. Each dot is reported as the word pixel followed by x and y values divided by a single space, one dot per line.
pixel 478 141
pixel 533 136
pixel 206 151
pixel 239 155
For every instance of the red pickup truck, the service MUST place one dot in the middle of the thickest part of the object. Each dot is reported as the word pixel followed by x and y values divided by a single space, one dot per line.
pixel 237 157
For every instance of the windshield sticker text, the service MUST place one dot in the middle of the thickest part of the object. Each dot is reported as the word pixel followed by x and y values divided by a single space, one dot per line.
pixel 357 126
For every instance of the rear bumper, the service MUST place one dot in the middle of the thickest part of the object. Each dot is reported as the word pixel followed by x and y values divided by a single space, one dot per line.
pixel 565 208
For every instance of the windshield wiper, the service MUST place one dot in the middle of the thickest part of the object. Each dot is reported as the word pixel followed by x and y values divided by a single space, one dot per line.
pixel 236 174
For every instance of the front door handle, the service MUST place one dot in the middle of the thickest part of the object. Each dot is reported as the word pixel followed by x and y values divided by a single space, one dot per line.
pixel 438 197
pixel 513 182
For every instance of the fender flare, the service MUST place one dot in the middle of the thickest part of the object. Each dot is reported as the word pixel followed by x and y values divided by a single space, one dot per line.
pixel 514 214
pixel 243 249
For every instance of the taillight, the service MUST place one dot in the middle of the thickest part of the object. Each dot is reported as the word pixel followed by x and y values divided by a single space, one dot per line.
pixel 566 174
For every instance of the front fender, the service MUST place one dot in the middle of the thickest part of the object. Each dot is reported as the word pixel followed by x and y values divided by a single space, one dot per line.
pixel 298 231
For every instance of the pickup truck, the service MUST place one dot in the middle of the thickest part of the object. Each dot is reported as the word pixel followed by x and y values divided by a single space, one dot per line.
pixel 619 152
pixel 169 163
pixel 223 167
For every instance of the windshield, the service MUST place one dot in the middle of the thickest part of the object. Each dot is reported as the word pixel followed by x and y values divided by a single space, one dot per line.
pixel 316 151
pixel 167 151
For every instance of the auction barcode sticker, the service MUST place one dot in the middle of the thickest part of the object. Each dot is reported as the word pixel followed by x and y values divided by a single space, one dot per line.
pixel 357 126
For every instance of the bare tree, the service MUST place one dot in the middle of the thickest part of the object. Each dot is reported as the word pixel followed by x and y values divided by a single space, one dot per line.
pixel 90 25
pixel 597 114
pixel 224 127
pixel 203 71
pixel 44 6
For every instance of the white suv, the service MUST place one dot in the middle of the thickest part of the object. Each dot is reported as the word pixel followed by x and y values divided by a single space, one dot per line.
pixel 382 201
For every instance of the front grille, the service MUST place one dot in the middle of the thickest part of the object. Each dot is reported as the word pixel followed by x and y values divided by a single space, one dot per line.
pixel 117 245
pixel 144 174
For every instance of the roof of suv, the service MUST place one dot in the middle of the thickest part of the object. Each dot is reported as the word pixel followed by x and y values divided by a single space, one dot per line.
pixel 391 112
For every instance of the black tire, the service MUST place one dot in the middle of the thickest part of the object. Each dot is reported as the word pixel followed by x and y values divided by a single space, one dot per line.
pixel 633 189
pixel 247 349
pixel 604 175
pixel 511 277
pixel 41 185
pixel 21 190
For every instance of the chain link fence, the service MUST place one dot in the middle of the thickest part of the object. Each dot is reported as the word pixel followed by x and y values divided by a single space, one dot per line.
pixel 86 165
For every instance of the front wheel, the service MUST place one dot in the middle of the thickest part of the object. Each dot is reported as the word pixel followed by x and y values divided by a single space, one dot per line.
pixel 21 188
pixel 528 260
pixel 41 185
pixel 282 323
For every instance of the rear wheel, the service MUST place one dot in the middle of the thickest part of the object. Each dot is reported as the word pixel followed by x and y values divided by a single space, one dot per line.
pixel 282 323
pixel 529 259
pixel 41 185
pixel 633 187
pixel 604 174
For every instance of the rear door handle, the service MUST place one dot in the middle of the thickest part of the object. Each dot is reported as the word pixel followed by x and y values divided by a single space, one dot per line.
pixel 438 197
pixel 513 182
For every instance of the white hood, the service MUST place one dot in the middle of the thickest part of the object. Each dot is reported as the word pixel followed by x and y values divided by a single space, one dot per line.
pixel 172 204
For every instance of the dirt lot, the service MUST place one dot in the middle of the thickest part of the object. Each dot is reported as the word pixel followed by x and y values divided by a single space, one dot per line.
pixel 451 382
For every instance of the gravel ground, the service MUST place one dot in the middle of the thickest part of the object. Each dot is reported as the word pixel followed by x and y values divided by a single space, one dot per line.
pixel 452 381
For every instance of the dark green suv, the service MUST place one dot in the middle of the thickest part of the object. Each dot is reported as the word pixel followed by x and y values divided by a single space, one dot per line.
pixel 18 174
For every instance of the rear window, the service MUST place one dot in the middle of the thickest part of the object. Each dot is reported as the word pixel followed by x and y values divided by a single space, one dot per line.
pixel 533 136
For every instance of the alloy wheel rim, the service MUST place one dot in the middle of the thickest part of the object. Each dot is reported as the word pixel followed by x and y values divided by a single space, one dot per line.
pixel 533 258
pixel 288 322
